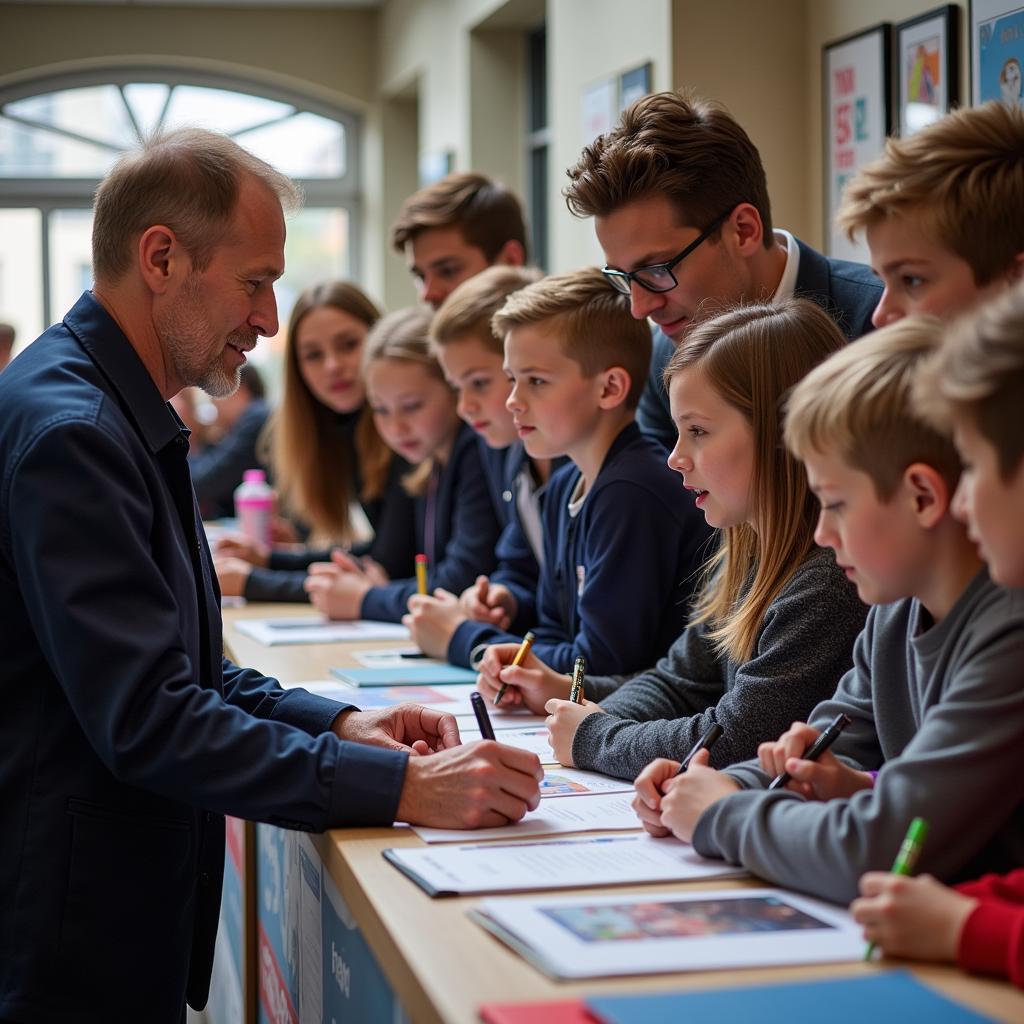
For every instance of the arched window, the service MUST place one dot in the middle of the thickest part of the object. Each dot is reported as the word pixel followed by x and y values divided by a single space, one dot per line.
pixel 60 136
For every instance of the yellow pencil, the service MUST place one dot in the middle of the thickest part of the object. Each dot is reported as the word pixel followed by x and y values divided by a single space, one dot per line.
pixel 576 691
pixel 524 650
pixel 421 573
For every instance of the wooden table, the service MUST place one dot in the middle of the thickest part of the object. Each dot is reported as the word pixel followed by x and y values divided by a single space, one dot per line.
pixel 442 966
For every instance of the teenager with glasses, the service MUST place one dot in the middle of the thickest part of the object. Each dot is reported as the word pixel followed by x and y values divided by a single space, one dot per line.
pixel 680 200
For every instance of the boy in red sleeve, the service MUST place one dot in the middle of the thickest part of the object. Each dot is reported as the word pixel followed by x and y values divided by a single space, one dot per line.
pixel 976 382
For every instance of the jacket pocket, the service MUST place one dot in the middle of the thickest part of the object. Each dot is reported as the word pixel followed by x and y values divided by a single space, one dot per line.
pixel 127 921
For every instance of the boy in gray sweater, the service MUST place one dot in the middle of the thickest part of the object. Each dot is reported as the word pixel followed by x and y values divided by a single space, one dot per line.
pixel 934 696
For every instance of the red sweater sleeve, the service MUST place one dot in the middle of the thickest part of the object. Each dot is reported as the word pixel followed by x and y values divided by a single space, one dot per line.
pixel 992 940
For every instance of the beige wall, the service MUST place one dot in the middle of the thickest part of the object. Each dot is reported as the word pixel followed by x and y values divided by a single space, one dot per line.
pixel 589 40
pixel 749 55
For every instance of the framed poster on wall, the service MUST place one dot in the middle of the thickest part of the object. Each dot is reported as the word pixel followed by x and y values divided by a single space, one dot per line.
pixel 997 50
pixel 927 68
pixel 856 88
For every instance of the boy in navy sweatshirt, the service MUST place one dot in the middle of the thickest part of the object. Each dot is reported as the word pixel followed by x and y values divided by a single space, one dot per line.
pixel 622 545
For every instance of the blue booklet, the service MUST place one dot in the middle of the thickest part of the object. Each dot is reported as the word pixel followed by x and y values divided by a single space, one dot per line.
pixel 889 995
pixel 411 675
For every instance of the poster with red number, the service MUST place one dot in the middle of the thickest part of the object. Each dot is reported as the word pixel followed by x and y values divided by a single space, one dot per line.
pixel 856 98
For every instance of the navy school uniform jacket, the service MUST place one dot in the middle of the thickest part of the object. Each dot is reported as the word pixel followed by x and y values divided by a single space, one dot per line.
pixel 125 733
pixel 848 292
pixel 618 579
pixel 456 527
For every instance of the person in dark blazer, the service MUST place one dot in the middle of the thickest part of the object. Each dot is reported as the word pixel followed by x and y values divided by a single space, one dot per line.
pixel 126 735
pixel 681 208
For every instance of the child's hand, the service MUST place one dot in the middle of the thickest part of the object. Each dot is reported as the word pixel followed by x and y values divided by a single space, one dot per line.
pixel 232 574
pixel 235 545
pixel 531 684
pixel 918 918
pixel 687 797
pixel 647 799
pixel 564 717
pixel 489 602
pixel 433 620
pixel 825 779
pixel 335 592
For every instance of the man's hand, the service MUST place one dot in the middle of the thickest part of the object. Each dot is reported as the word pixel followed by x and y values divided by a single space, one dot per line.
pixel 232 574
pixel 687 797
pixel 825 779
pixel 564 717
pixel 647 798
pixel 433 621
pixel 478 785
pixel 335 591
pixel 408 727
pixel 918 918
pixel 531 683
pixel 489 602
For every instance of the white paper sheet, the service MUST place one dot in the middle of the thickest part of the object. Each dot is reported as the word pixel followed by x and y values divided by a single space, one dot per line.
pixel 392 657
pixel 314 629
pixel 556 864
pixel 592 937
pixel 603 812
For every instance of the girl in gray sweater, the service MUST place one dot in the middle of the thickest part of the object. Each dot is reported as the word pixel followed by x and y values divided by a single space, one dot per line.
pixel 773 629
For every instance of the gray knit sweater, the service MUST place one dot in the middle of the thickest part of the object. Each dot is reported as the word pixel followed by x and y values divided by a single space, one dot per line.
pixel 940 711
pixel 804 647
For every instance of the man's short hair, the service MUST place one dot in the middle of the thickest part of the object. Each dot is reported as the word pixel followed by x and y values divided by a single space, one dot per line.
pixel 189 180
pixel 857 405
pixel 467 312
pixel 486 213
pixel 978 375
pixel 691 151
pixel 591 319
pixel 960 177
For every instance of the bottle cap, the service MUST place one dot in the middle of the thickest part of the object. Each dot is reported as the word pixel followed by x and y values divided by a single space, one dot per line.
pixel 254 476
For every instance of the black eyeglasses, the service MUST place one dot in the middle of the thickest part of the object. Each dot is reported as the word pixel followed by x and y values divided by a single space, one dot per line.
pixel 658 277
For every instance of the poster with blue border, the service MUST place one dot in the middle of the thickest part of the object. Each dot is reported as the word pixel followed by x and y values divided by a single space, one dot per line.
pixel 997 51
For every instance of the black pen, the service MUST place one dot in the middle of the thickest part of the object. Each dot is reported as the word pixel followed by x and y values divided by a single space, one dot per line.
pixel 706 742
pixel 483 720
pixel 817 748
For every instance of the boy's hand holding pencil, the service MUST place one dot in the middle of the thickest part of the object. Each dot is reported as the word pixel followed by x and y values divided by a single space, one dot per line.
pixel 529 685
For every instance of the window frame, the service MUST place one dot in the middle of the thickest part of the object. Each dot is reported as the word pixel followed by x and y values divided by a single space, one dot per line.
pixel 51 194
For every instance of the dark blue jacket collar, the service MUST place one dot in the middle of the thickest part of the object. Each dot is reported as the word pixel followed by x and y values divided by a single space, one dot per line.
pixel 98 333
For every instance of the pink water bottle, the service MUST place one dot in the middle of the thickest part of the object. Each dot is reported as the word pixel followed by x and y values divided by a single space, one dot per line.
pixel 254 506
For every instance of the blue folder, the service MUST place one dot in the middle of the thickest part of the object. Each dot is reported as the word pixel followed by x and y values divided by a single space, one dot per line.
pixel 886 996
pixel 412 675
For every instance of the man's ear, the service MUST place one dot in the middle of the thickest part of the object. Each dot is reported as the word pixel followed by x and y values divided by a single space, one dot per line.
pixel 747 229
pixel 161 258
pixel 928 490
pixel 511 254
pixel 615 385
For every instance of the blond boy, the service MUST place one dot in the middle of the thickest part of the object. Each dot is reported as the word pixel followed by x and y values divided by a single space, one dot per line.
pixel 934 695
pixel 621 546
pixel 976 384
pixel 942 214
pixel 472 359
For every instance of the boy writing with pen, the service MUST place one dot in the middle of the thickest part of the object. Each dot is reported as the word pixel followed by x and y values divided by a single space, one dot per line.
pixel 934 696
pixel 976 385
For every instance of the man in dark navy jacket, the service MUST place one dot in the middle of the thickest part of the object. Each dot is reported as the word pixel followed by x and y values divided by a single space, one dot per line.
pixel 682 213
pixel 125 733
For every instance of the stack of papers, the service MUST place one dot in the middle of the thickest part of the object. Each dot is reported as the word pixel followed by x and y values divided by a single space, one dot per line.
pixel 554 864
pixel 314 629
